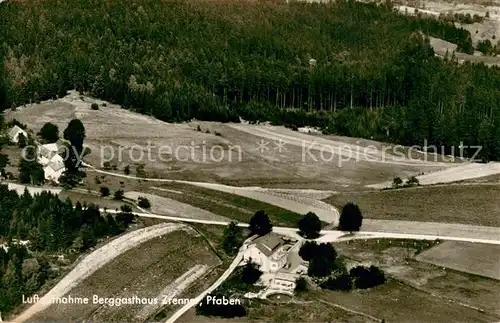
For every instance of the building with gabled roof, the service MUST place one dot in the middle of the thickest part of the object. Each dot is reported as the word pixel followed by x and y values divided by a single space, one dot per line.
pixel 269 252
pixel 15 132
pixel 52 162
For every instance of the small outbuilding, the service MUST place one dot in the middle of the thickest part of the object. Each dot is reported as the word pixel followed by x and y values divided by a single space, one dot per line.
pixel 15 132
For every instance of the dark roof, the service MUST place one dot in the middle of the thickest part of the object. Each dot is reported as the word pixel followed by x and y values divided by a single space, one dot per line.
pixel 268 243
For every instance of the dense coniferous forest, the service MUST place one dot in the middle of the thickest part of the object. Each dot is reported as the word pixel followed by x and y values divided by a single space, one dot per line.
pixel 52 227
pixel 350 68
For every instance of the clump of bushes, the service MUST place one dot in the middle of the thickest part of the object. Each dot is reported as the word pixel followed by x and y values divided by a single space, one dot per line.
pixel 358 277
pixel 143 202
pixel 104 191
pixel 367 277
pixel 118 195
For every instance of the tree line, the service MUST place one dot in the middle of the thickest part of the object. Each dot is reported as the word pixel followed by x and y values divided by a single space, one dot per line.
pixel 52 226
pixel 350 68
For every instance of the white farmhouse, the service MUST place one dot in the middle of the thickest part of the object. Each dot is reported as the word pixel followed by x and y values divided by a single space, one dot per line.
pixel 14 133
pixel 268 251
pixel 47 152
pixel 54 169
pixel 52 162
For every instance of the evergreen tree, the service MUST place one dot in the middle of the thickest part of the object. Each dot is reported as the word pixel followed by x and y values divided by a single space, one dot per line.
pixel 260 224
pixel 233 238
pixel 75 134
pixel 49 132
pixel 30 171
pixel 350 218
pixel 310 226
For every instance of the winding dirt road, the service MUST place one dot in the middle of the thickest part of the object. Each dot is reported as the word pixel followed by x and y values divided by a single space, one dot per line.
pixel 296 203
pixel 96 260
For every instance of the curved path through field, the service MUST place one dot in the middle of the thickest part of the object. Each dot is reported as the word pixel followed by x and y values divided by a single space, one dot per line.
pixel 377 228
pixel 296 203
pixel 96 260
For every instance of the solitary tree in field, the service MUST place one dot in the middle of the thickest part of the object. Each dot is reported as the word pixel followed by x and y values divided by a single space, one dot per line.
pixel 139 171
pixel 260 224
pixel 310 226
pixel 118 195
pixel 75 134
pixel 350 218
pixel 49 132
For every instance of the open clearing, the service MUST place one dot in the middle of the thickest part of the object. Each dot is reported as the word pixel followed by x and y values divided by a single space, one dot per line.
pixel 382 302
pixel 467 204
pixel 223 153
pixel 162 265
pixel 443 48
pixel 479 259
pixel 488 29
pixel 97 259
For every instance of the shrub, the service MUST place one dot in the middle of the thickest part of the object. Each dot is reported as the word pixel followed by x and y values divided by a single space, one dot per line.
pixel 126 170
pixel 118 195
pixel 341 283
pixel 104 191
pixel 301 284
pixel 139 171
pixel 367 277
pixel 94 106
pixel 397 181
pixel 106 166
pixel 22 141
pixel 143 202
pixel 233 239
